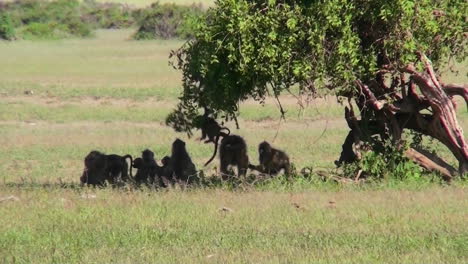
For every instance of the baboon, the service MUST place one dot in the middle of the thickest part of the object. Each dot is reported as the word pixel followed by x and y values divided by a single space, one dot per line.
pixel 100 167
pixel 117 165
pixel 211 129
pixel 95 165
pixel 233 151
pixel 165 161
pixel 149 172
pixel 181 164
pixel 272 160
pixel 166 172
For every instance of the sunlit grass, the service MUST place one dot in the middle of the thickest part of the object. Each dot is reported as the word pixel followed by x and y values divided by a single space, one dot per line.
pixel 143 3
pixel 344 226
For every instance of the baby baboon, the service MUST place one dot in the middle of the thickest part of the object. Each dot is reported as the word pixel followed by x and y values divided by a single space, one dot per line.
pixel 166 172
pixel 100 167
pixel 181 164
pixel 233 151
pixel 149 171
pixel 211 129
pixel 271 160
pixel 165 161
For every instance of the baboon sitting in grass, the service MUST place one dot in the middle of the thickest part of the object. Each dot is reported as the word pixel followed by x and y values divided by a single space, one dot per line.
pixel 180 164
pixel 149 172
pixel 272 160
pixel 233 151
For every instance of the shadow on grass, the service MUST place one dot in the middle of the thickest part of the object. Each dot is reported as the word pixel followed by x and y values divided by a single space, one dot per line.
pixel 252 181
pixel 312 180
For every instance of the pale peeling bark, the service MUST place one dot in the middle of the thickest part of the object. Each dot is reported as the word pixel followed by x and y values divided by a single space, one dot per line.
pixel 404 112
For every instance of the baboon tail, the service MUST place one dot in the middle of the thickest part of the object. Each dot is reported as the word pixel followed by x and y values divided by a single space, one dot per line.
pixel 128 156
pixel 214 153
pixel 228 131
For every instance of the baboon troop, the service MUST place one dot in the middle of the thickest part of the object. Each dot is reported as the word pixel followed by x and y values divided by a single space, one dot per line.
pixel 272 160
pixel 100 167
pixel 178 167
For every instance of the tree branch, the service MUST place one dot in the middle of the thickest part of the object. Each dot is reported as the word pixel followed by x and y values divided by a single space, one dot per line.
pixel 371 99
pixel 431 163
pixel 455 89
pixel 444 125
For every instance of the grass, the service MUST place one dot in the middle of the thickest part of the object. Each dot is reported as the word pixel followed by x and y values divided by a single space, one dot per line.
pixel 143 3
pixel 61 99
pixel 78 226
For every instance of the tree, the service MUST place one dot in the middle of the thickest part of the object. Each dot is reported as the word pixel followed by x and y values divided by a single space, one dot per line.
pixel 384 56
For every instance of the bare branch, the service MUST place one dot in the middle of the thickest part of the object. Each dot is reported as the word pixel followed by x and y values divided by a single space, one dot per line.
pixel 444 125
pixel 431 163
pixel 455 89
pixel 371 99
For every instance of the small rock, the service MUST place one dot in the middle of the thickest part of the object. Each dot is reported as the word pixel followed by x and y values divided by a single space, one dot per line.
pixel 88 196
pixel 31 123
pixel 226 209
pixel 299 207
pixel 9 198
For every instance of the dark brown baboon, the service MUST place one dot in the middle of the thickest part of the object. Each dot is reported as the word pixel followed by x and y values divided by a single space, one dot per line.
pixel 166 172
pixel 95 165
pixel 100 167
pixel 181 164
pixel 149 172
pixel 165 161
pixel 211 129
pixel 117 165
pixel 272 160
pixel 233 151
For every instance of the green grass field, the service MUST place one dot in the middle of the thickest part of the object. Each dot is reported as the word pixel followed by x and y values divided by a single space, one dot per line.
pixel 61 99
pixel 143 3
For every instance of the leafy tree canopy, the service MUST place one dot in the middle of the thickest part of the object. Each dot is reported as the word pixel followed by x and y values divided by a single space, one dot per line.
pixel 384 55
pixel 247 49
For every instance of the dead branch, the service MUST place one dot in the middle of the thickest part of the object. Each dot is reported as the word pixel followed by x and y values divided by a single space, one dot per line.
pixel 431 163
pixel 371 99
pixel 444 125
pixel 455 89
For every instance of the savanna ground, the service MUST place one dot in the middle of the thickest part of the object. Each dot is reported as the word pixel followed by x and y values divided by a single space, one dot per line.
pixel 61 99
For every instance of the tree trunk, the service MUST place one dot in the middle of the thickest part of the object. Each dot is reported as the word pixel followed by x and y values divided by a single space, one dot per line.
pixel 399 107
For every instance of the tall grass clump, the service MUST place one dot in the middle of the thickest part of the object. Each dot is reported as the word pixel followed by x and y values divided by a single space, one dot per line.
pixel 45 20
pixel 108 15
pixel 387 161
pixel 168 21
pixel 7 30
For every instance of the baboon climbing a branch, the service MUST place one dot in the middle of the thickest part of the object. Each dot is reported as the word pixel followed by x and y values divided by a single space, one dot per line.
pixel 211 129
